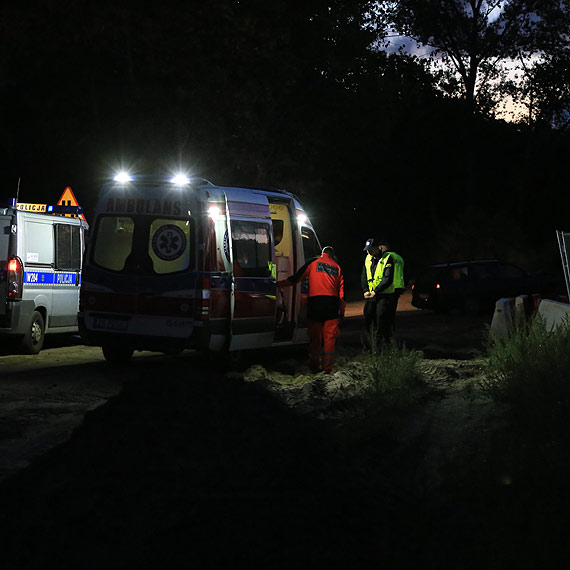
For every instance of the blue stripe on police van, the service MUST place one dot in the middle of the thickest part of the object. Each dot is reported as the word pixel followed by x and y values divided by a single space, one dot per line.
pixel 49 278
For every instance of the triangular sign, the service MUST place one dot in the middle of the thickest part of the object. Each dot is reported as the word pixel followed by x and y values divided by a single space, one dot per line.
pixel 68 199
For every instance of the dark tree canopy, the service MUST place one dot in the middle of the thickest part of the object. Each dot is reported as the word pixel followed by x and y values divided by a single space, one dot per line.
pixel 470 38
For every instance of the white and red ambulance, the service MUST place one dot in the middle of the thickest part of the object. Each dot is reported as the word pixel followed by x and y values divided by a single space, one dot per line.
pixel 182 263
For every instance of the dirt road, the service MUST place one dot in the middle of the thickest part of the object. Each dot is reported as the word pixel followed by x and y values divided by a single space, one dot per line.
pixel 43 398
pixel 168 462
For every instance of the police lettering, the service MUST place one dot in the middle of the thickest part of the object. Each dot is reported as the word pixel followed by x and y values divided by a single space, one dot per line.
pixel 64 279
pixel 144 206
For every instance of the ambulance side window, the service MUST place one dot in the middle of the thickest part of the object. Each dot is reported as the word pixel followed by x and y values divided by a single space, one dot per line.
pixel 67 247
pixel 113 242
pixel 251 246
pixel 311 246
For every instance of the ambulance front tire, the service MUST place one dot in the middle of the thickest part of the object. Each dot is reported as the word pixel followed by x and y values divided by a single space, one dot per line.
pixel 117 354
pixel 34 338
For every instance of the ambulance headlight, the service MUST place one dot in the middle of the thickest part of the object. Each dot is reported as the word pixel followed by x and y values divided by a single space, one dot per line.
pixel 122 177
pixel 180 180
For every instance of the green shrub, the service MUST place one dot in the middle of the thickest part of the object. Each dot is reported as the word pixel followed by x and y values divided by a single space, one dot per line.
pixel 391 370
pixel 530 371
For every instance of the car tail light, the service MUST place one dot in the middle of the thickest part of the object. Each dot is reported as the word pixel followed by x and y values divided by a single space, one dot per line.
pixel 15 278
pixel 413 287
pixel 437 286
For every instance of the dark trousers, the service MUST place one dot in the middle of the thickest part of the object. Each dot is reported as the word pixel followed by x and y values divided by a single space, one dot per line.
pixel 380 316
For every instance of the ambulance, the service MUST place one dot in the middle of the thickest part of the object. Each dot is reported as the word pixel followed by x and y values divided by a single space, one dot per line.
pixel 41 252
pixel 182 263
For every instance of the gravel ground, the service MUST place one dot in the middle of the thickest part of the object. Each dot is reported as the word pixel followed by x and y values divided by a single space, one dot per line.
pixel 269 467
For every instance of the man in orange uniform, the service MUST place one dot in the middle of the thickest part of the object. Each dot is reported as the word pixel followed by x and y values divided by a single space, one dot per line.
pixel 324 307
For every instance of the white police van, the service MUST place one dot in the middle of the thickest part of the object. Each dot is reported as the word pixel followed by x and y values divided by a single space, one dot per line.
pixel 40 273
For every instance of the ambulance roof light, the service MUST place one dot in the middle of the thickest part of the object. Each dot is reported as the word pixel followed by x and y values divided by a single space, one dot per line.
pixel 180 180
pixel 122 177
pixel 302 218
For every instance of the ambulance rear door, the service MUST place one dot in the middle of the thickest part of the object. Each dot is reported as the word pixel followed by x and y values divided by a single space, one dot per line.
pixel 254 287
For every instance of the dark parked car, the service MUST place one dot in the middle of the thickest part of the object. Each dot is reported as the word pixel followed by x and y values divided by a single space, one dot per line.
pixel 475 286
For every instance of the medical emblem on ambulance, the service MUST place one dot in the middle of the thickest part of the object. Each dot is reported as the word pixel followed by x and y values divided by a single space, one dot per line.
pixel 168 242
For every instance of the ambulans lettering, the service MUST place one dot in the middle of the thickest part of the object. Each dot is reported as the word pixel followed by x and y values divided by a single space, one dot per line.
pixel 149 206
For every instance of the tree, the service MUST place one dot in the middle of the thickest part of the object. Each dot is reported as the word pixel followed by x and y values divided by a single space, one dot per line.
pixel 546 86
pixel 471 40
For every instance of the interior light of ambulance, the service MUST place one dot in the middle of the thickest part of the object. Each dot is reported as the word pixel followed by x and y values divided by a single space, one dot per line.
pixel 122 177
pixel 180 180
pixel 214 211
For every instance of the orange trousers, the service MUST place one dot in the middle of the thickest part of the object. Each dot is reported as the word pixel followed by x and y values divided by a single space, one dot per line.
pixel 322 338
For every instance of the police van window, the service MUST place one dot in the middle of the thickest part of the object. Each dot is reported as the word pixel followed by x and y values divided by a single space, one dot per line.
pixel 310 244
pixel 67 247
pixel 169 245
pixel 113 242
pixel 251 248
pixel 39 242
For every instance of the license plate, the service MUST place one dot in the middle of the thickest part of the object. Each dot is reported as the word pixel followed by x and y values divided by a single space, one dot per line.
pixel 110 324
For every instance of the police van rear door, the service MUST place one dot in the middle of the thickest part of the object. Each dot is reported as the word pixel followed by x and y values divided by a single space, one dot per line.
pixel 36 247
pixel 254 283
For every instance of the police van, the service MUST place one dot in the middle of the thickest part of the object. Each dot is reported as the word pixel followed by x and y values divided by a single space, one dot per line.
pixel 182 263
pixel 40 272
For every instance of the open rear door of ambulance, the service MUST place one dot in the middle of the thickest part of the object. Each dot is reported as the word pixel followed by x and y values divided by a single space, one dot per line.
pixel 254 286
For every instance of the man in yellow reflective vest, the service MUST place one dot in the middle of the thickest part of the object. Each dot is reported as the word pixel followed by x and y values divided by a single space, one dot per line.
pixel 382 283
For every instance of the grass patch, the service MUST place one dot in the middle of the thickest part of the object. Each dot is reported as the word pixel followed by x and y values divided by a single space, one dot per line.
pixel 391 376
pixel 530 371
pixel 528 374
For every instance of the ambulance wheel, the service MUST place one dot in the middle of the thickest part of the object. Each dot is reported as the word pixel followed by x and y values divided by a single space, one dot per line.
pixel 117 354
pixel 34 338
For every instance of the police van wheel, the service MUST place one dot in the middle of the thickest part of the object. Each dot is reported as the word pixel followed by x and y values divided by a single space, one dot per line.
pixel 117 354
pixel 34 338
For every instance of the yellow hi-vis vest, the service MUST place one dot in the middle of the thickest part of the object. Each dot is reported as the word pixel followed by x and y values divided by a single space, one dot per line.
pixel 374 280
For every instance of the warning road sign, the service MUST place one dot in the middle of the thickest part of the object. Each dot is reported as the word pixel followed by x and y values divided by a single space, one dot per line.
pixel 68 199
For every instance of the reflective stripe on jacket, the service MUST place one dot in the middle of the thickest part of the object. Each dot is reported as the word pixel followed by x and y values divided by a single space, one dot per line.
pixel 388 259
